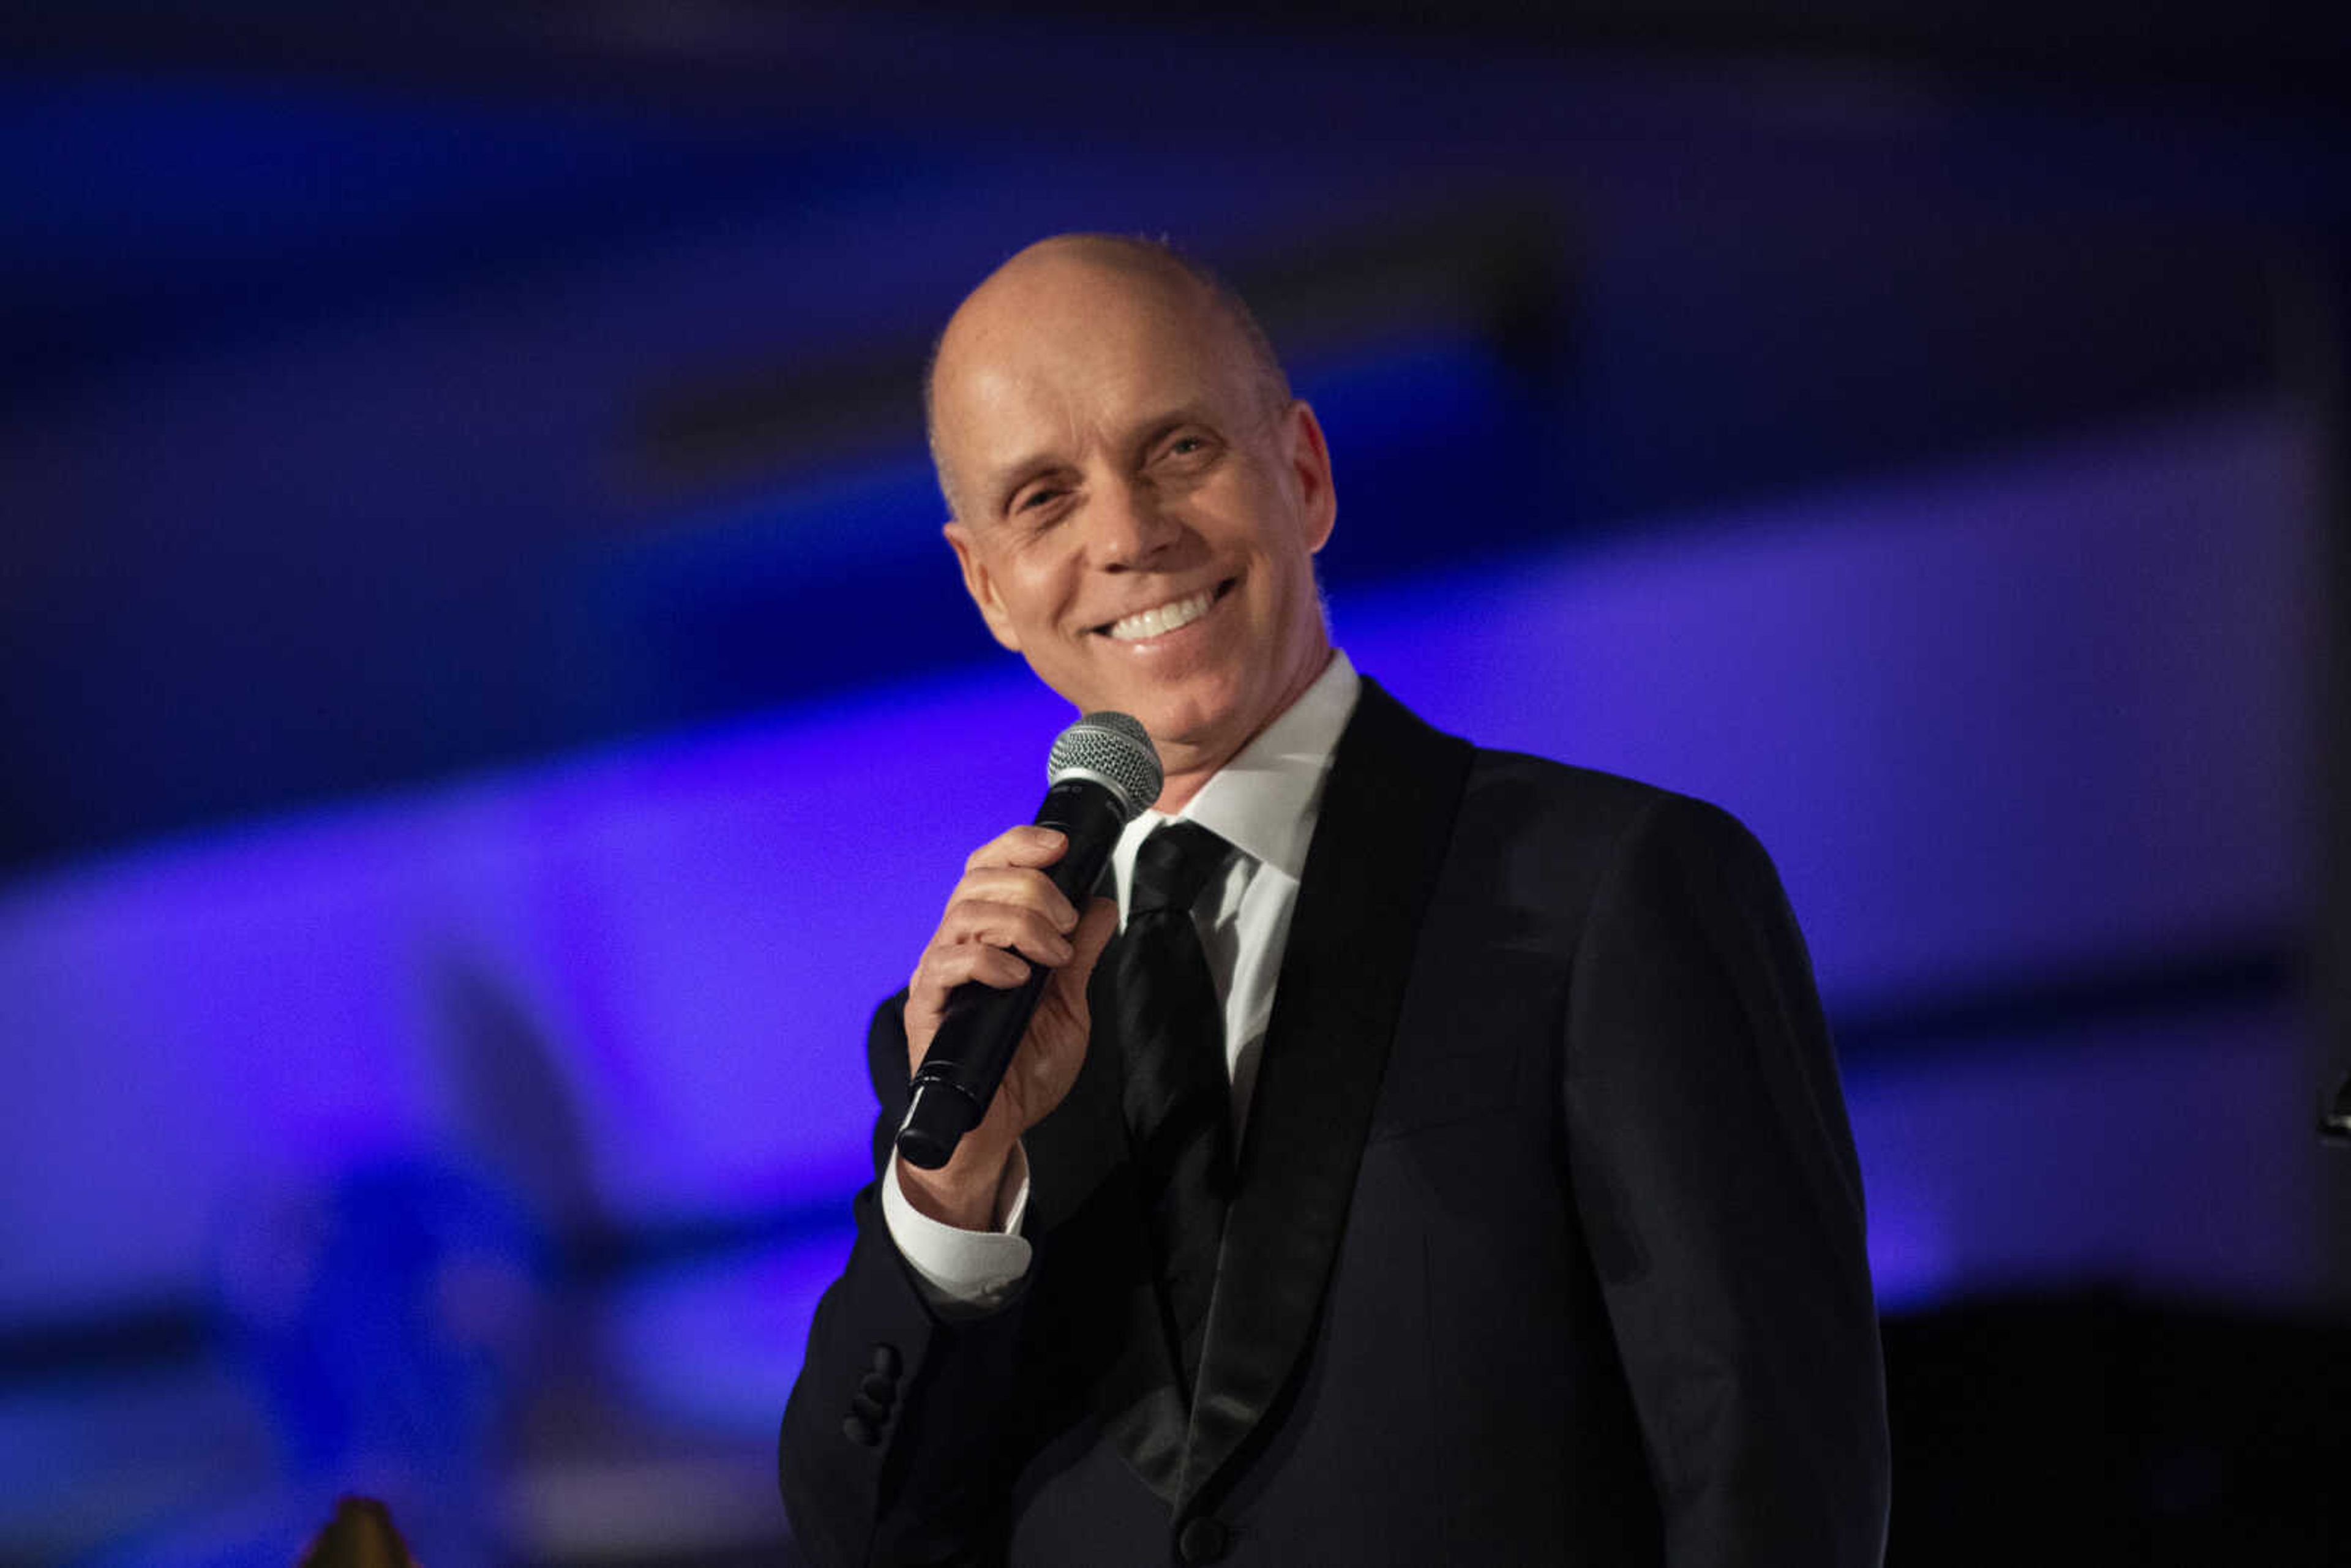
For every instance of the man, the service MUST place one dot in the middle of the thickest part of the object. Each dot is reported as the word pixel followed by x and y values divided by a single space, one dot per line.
pixel 1535 1232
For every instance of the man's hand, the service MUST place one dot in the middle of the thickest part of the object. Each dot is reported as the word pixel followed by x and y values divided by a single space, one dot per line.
pixel 1005 916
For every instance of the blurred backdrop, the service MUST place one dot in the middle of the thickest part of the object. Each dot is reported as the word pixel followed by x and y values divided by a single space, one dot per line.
pixel 487 709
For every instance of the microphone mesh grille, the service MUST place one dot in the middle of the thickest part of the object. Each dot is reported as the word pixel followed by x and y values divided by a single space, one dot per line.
pixel 1114 748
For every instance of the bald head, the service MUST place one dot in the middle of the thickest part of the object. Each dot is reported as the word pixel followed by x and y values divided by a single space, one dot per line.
pixel 1136 498
pixel 1118 269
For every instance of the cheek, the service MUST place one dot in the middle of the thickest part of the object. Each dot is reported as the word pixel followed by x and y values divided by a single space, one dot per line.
pixel 1036 582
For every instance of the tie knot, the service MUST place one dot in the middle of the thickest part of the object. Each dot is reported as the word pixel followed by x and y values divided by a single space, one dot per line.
pixel 1174 864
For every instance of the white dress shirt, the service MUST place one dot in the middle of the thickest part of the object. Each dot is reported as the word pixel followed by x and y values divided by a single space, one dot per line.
pixel 1264 803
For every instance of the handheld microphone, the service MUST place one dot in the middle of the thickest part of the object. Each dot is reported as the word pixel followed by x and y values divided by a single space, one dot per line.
pixel 1103 773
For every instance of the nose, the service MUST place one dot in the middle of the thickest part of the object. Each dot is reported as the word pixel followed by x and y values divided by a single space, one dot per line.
pixel 1127 526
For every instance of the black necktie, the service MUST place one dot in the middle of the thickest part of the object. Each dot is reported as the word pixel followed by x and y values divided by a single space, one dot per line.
pixel 1171 1032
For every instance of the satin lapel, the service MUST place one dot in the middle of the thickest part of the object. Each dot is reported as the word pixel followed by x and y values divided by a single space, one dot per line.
pixel 1386 817
pixel 1078 1167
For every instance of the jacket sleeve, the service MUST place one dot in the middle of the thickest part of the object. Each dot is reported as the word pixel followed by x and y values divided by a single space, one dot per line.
pixel 1715 1173
pixel 887 1452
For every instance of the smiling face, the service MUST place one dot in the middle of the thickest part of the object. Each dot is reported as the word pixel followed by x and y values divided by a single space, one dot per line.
pixel 1135 514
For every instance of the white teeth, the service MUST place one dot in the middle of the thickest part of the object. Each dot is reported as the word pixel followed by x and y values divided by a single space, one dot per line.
pixel 1165 619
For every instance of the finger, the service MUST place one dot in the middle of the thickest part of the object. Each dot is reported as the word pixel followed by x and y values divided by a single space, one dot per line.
pixel 1028 846
pixel 1092 934
pixel 1021 886
pixel 944 969
pixel 1005 926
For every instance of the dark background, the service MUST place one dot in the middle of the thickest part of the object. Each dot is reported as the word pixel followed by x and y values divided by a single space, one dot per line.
pixel 486 704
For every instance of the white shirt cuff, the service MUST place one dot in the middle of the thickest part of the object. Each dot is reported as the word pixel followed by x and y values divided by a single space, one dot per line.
pixel 962 1272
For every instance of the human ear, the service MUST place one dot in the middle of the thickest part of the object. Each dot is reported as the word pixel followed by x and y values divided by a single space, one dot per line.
pixel 980 585
pixel 1308 461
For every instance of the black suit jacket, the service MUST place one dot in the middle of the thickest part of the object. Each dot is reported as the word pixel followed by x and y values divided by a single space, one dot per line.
pixel 1547 1246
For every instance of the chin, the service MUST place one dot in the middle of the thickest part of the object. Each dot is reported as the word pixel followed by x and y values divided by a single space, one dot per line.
pixel 1198 709
pixel 1188 720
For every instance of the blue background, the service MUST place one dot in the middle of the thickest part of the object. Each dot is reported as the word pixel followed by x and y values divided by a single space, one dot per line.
pixel 488 709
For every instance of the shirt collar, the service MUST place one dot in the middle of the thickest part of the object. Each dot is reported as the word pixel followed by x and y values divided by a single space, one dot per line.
pixel 1264 801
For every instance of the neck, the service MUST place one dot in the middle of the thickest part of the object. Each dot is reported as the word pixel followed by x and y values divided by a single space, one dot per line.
pixel 1188 771
pixel 1180 788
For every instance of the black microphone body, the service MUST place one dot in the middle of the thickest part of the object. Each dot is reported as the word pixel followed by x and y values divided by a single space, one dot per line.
pixel 982 1026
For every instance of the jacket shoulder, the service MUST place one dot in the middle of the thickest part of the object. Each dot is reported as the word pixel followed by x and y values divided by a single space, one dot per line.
pixel 1538 794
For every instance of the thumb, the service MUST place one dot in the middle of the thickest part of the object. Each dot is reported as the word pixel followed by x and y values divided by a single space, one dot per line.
pixel 1095 928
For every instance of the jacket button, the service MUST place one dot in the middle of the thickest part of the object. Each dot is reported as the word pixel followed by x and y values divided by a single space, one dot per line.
pixel 860 1431
pixel 1203 1539
pixel 885 1360
pixel 882 1390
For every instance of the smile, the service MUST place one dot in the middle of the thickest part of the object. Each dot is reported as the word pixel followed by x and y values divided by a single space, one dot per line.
pixel 1160 619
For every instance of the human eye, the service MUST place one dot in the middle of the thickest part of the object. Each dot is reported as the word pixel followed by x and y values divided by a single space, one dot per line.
pixel 1188 447
pixel 1037 502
